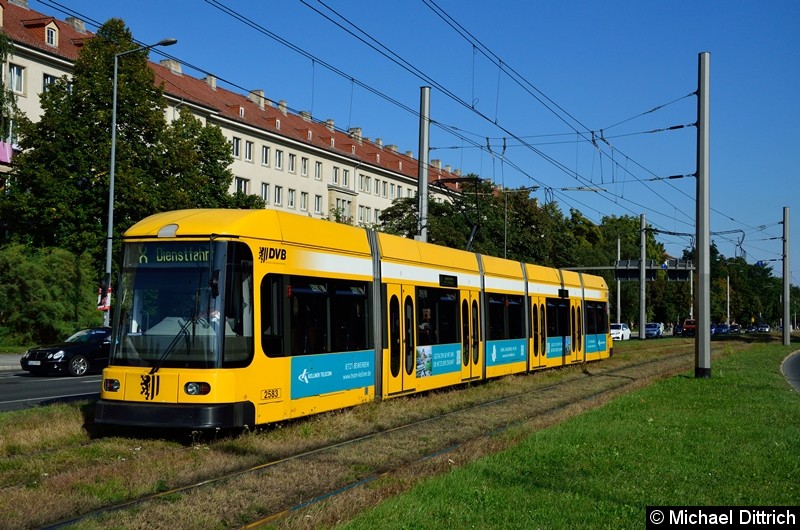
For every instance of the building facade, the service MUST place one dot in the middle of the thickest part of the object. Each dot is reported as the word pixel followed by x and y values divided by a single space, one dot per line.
pixel 289 159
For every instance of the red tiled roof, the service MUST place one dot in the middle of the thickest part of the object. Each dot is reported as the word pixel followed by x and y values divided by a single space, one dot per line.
pixel 26 26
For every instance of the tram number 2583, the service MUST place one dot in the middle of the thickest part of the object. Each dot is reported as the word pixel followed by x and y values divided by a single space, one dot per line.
pixel 272 393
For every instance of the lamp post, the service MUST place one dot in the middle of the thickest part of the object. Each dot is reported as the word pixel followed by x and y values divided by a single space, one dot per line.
pixel 110 234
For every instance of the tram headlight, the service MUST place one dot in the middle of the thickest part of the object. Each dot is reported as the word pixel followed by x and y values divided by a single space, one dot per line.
pixel 111 385
pixel 197 389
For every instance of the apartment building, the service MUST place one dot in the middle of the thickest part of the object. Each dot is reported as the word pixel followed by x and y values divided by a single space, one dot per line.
pixel 291 160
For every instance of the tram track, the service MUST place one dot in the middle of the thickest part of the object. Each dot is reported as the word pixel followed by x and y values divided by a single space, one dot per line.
pixel 286 489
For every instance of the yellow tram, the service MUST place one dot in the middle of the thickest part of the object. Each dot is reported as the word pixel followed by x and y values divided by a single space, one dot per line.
pixel 233 318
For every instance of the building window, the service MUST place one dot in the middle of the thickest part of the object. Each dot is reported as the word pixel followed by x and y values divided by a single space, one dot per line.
pixel 303 201
pixel 377 216
pixel 391 191
pixel 51 37
pixel 336 175
pixel 278 196
pixel 345 178
pixel 292 163
pixel 16 78
pixel 264 155
pixel 241 185
pixel 290 198
pixel 377 186
pixel 385 187
pixel 360 214
pixel 318 170
pixel 265 192
pixel 304 166
pixel 48 80
pixel 278 159
pixel 248 151
pixel 317 203
pixel 237 147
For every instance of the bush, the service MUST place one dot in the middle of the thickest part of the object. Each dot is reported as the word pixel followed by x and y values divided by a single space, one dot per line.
pixel 45 294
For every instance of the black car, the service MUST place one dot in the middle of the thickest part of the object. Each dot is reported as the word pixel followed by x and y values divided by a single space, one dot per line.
pixel 85 351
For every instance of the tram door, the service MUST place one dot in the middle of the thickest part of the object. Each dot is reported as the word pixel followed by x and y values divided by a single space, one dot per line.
pixel 402 339
pixel 471 366
pixel 559 332
pixel 538 336
pixel 576 324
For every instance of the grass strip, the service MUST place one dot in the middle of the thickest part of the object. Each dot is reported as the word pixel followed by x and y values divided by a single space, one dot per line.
pixel 730 440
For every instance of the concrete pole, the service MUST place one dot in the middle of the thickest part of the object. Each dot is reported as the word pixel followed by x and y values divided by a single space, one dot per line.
pixel 619 298
pixel 642 276
pixel 728 317
pixel 787 280
pixel 702 341
pixel 691 292
pixel 424 148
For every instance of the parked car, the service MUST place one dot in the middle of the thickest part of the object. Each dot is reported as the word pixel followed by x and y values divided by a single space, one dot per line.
pixel 763 328
pixel 620 332
pixel 652 330
pixel 722 329
pixel 689 327
pixel 735 329
pixel 677 330
pixel 750 329
pixel 85 351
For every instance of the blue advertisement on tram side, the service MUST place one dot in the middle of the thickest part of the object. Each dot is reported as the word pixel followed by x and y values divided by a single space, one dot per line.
pixel 438 359
pixel 595 343
pixel 556 346
pixel 505 352
pixel 313 375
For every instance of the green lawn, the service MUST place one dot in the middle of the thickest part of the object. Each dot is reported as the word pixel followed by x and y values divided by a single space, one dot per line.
pixel 733 440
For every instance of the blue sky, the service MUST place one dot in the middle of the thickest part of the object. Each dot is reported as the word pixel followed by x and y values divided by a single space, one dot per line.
pixel 539 77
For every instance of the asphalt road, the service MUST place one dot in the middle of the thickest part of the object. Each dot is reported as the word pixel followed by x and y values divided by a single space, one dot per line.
pixel 791 370
pixel 20 390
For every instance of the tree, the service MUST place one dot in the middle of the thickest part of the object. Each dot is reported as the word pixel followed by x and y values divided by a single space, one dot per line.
pixel 45 294
pixel 58 195
pixel 196 173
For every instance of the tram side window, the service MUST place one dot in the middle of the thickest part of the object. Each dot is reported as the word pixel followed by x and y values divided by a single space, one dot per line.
pixel 596 320
pixel 437 316
pixel 557 317
pixel 272 303
pixel 239 318
pixel 306 315
pixel 327 315
pixel 506 316
pixel 349 316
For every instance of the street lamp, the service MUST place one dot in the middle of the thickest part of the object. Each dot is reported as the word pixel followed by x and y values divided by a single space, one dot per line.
pixel 110 234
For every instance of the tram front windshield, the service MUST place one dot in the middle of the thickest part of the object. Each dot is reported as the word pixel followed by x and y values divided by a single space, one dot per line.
pixel 184 304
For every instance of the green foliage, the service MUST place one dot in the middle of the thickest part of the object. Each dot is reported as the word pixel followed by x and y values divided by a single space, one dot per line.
pixel 58 194
pixel 45 294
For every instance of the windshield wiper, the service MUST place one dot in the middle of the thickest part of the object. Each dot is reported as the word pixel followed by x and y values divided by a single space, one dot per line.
pixel 183 331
